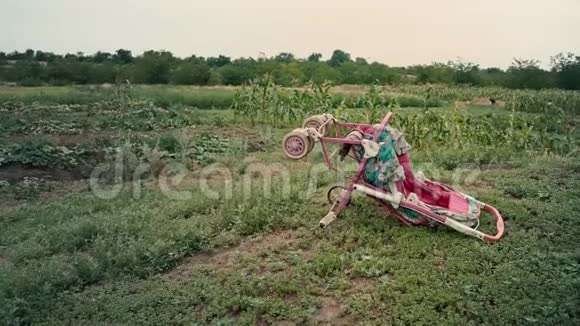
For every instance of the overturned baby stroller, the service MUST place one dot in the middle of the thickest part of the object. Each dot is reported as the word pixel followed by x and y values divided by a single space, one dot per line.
pixel 384 173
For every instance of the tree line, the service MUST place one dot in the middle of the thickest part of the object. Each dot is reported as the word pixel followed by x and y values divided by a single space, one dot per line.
pixel 32 68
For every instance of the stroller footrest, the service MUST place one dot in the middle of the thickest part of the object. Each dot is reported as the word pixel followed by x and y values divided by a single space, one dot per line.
pixel 329 218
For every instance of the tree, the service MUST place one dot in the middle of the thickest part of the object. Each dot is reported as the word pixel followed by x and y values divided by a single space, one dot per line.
pixel 70 57
pixel 434 73
pixel 231 75
pixel 59 72
pixel 350 73
pixel 101 57
pixel 47 57
pixel 465 73
pixel 567 70
pixel 191 74
pixel 492 76
pixel 40 56
pixel 123 56
pixel 339 57
pixel 526 73
pixel 154 67
pixel 32 67
pixel 378 72
pixel 106 72
pixel 288 75
pixel 284 57
pixel 361 61
pixel 29 55
pixel 323 72
pixel 239 71
pixel 195 59
pixel 81 56
pixel 314 57
pixel 215 78
pixel 15 55
pixel 82 72
pixel 28 73
pixel 219 61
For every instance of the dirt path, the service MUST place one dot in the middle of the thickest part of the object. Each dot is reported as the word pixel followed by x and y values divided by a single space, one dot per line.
pixel 267 254
pixel 254 255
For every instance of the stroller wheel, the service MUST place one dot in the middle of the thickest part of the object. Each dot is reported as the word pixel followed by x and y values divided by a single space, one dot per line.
pixel 311 142
pixel 336 194
pixel 296 144
pixel 316 121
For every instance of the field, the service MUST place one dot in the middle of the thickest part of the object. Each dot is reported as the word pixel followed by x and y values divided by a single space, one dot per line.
pixel 175 205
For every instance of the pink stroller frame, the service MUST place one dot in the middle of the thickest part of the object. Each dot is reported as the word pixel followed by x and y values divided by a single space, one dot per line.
pixel 401 197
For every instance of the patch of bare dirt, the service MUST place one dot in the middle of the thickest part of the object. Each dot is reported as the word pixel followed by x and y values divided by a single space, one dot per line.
pixel 290 298
pixel 3 260
pixel 332 312
pixel 13 173
pixel 82 138
pixel 52 190
pixel 236 132
pixel 486 101
pixel 262 322
pixel 361 284
pixel 252 136
pixel 348 90
pixel 62 189
pixel 497 166
pixel 231 132
pixel 258 146
pixel 256 255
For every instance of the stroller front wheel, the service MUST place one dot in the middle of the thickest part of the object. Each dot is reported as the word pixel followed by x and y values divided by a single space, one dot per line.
pixel 296 144
pixel 336 195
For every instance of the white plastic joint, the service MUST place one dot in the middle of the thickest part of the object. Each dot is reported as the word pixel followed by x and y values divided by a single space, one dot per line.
pixel 394 199
pixel 312 132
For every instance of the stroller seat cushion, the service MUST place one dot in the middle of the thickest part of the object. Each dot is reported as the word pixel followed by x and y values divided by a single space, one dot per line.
pixel 462 208
pixel 458 204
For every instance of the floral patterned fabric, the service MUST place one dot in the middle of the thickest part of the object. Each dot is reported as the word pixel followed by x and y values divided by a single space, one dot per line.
pixel 384 169
pixel 401 145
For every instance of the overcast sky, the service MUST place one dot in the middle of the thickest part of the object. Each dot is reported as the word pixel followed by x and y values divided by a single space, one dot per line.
pixel 402 32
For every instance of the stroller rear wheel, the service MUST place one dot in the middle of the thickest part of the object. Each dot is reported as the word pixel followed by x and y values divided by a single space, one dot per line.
pixel 316 122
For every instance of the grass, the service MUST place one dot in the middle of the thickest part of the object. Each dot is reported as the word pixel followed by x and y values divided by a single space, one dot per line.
pixel 120 257
pixel 161 95
pixel 201 97
pixel 218 97
pixel 73 258
pixel 54 94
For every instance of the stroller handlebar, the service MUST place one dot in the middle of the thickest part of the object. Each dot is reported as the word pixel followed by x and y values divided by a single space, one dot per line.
pixel 460 226
pixel 498 224
pixel 383 124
